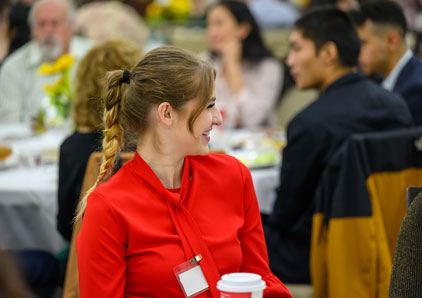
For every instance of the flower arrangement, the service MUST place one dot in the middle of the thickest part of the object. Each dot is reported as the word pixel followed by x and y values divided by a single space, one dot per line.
pixel 59 93
pixel 168 10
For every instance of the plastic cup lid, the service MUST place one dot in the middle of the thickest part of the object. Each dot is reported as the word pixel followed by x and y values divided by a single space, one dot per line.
pixel 241 282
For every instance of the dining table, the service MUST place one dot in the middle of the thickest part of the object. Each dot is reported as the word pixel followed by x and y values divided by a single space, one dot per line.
pixel 29 187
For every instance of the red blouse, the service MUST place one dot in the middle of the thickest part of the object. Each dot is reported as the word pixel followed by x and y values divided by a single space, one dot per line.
pixel 135 231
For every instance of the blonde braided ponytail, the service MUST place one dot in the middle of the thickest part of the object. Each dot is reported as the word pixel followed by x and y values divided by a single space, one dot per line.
pixel 113 132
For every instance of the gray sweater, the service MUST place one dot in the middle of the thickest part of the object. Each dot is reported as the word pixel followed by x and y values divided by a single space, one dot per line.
pixel 406 277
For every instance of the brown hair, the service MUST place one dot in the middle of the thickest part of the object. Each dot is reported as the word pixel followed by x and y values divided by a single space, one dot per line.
pixel 166 74
pixel 87 107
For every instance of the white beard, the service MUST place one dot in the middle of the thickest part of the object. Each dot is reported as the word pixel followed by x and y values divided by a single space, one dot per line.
pixel 51 48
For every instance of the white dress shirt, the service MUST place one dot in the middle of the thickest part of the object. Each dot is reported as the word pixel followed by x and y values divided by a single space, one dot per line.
pixel 21 87
pixel 390 81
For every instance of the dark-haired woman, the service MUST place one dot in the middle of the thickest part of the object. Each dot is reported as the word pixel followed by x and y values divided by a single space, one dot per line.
pixel 249 79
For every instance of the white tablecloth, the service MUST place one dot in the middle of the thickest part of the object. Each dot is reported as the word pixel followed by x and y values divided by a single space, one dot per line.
pixel 28 209
pixel 28 191
pixel 265 181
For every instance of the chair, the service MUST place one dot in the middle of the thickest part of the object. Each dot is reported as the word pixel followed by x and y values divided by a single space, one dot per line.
pixel 71 283
pixel 406 276
pixel 359 206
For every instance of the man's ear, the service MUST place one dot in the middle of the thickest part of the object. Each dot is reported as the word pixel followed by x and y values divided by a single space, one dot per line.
pixel 393 40
pixel 165 114
pixel 329 53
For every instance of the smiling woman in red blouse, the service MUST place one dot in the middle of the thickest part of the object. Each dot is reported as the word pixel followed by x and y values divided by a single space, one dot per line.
pixel 175 218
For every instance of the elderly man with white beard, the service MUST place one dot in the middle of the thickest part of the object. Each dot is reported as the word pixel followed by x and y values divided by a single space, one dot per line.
pixel 21 87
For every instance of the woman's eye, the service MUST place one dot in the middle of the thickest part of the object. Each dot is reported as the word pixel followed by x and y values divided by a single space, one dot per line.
pixel 211 106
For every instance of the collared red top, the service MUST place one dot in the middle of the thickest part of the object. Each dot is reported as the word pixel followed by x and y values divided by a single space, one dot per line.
pixel 135 232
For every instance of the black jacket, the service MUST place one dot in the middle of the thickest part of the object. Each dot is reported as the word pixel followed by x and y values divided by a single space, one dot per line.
pixel 352 104
pixel 409 86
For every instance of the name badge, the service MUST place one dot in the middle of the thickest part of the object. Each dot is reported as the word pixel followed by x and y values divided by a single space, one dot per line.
pixel 191 278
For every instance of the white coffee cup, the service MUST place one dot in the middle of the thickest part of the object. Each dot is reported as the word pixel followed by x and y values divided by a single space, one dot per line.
pixel 241 285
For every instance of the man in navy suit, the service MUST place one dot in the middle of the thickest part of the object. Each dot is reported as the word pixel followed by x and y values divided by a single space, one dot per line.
pixel 324 51
pixel 382 29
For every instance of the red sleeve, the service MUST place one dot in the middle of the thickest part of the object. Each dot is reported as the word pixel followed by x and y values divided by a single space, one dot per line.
pixel 101 249
pixel 255 258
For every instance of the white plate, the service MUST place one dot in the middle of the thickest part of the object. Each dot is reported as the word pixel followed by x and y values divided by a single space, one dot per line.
pixel 8 163
pixel 257 159
pixel 263 166
pixel 14 131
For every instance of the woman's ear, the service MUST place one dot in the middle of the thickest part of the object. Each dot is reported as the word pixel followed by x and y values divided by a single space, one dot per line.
pixel 165 113
pixel 244 30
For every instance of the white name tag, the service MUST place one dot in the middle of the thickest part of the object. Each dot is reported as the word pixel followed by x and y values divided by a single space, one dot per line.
pixel 191 278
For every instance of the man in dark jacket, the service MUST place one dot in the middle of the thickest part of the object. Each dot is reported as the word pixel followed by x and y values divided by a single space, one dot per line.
pixel 382 28
pixel 324 50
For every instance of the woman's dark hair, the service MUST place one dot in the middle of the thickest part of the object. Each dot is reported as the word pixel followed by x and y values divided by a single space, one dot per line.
pixel 19 28
pixel 4 4
pixel 253 48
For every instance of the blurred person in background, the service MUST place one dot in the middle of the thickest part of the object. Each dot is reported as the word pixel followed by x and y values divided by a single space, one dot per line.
pixel 4 27
pixel 324 51
pixel 249 79
pixel 412 10
pixel 26 273
pixel 15 31
pixel 344 5
pixel 273 13
pixel 21 87
pixel 382 28
pixel 174 204
pixel 11 282
pixel 19 29
pixel 39 270
pixel 103 20
pixel 87 114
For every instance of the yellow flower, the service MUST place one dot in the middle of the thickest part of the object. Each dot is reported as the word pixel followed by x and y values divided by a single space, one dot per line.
pixel 59 92
pixel 179 9
pixel 154 11
pixel 180 6
pixel 45 69
pixel 52 88
pixel 64 62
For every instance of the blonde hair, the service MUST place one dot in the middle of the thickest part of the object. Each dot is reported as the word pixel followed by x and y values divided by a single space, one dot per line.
pixel 87 107
pixel 166 74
